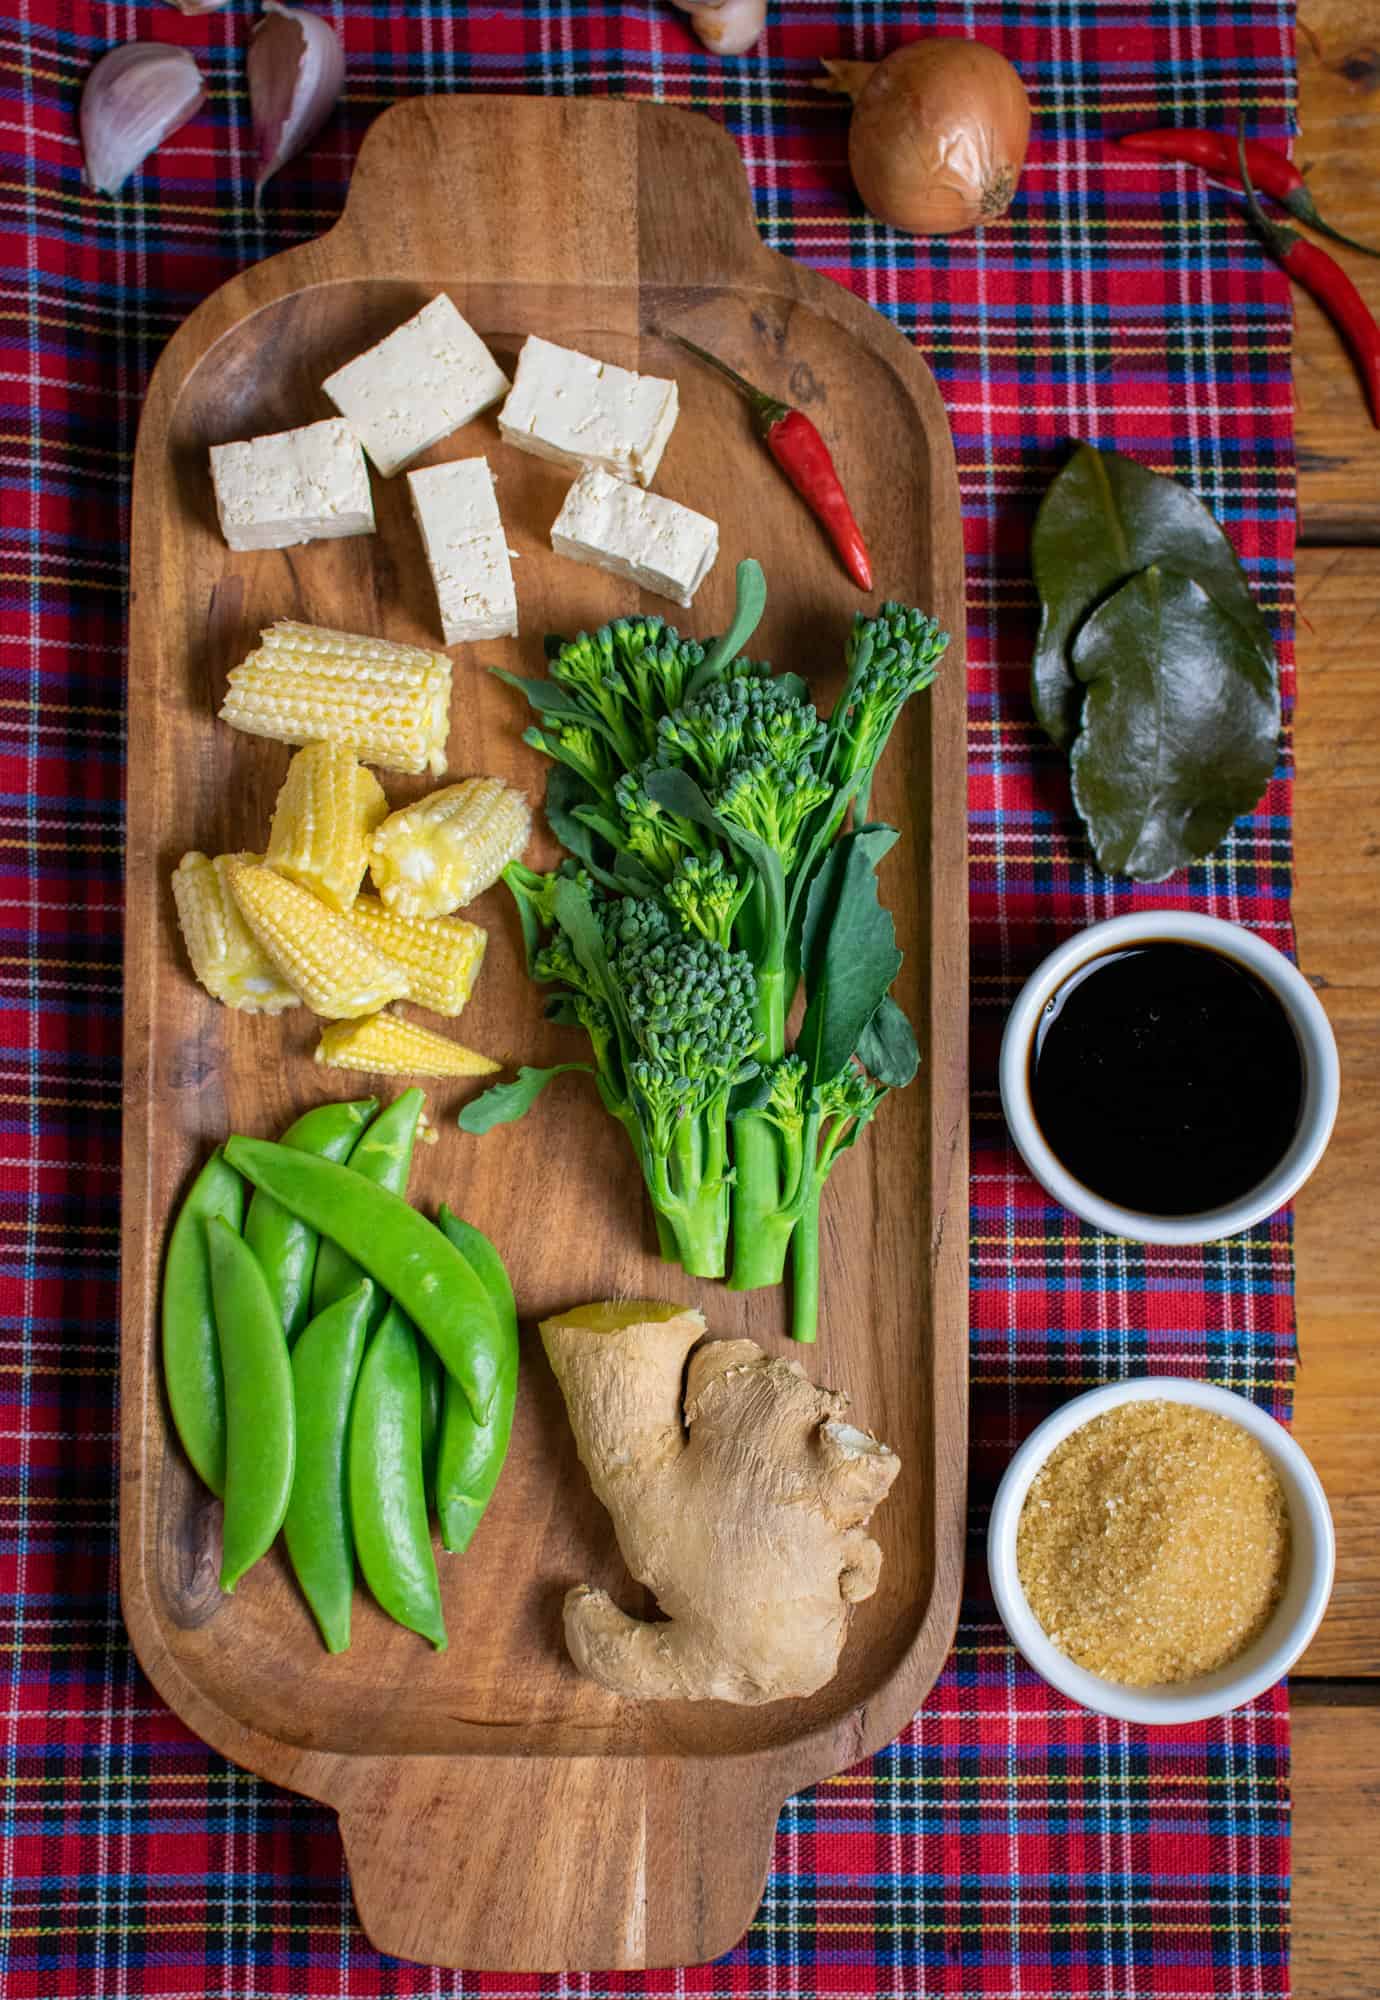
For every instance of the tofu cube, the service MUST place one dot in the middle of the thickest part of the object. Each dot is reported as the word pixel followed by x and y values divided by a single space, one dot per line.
pixel 309 485
pixel 577 411
pixel 427 378
pixel 650 540
pixel 466 550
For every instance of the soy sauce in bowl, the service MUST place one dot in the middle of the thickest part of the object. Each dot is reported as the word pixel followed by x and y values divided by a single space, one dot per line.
pixel 1166 1078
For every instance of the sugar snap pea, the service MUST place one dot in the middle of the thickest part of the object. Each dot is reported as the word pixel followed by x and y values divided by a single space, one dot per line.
pixel 286 1248
pixel 432 1376
pixel 316 1528
pixel 383 1155
pixel 470 1455
pixel 260 1434
pixel 387 1495
pixel 400 1250
pixel 191 1350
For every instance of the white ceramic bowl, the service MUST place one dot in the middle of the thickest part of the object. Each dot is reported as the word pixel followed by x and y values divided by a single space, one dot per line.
pixel 1296 1617
pixel 1321 1075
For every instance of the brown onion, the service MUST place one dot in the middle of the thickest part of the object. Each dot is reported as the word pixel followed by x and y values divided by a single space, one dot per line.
pixel 938 135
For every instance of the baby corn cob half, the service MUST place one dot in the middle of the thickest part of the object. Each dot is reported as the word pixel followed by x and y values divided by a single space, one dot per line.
pixel 390 704
pixel 331 965
pixel 440 955
pixel 439 854
pixel 387 1045
pixel 225 954
pixel 326 812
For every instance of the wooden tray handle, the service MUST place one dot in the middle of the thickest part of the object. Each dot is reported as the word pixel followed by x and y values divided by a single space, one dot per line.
pixel 539 1864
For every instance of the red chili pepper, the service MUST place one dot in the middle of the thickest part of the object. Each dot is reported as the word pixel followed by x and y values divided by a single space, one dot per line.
pixel 1274 173
pixel 803 456
pixel 1324 277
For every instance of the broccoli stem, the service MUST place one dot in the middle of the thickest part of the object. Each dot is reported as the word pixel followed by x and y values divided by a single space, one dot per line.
pixel 761 1234
pixel 805 1266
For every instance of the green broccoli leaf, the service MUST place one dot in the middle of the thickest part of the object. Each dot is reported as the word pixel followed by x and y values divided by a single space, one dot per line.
pixel 849 952
pixel 506 1102
pixel 752 602
pixel 887 1047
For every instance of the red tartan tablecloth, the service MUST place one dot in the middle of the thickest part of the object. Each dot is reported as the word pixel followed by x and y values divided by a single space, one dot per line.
pixel 1007 1843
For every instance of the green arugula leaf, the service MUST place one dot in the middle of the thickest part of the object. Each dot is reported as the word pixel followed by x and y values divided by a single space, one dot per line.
pixel 887 1048
pixel 506 1102
pixel 1103 520
pixel 848 950
pixel 1180 725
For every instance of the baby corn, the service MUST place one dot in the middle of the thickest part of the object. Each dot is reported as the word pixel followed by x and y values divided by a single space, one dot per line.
pixel 439 854
pixel 326 812
pixel 387 1045
pixel 225 955
pixel 440 955
pixel 331 965
pixel 390 704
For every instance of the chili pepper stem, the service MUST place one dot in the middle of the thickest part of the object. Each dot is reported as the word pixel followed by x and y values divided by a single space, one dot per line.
pixel 765 409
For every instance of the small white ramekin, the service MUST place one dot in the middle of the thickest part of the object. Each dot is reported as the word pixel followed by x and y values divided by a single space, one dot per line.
pixel 1296 1617
pixel 1321 1075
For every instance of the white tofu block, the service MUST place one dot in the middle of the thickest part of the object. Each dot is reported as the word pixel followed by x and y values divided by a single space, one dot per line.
pixel 576 411
pixel 431 375
pixel 643 536
pixel 309 485
pixel 466 551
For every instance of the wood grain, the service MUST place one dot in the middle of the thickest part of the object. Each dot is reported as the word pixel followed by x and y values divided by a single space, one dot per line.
pixel 1336 897
pixel 1339 148
pixel 561 1828
pixel 1336 1890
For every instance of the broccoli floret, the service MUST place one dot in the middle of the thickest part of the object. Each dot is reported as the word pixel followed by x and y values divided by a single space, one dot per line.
pixel 889 658
pixel 773 803
pixel 629 674
pixel 578 745
pixel 659 838
pixel 741 717
pixel 706 895
pixel 785 1107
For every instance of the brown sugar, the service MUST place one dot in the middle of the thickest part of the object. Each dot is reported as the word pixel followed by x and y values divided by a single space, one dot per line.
pixel 1154 1543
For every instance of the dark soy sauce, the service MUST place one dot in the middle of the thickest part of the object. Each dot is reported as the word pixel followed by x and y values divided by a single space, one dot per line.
pixel 1166 1078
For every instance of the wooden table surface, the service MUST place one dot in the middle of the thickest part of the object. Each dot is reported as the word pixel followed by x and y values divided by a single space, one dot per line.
pixel 1336 1694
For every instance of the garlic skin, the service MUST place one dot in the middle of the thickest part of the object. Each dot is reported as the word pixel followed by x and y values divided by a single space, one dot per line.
pixel 134 97
pixel 726 27
pixel 296 73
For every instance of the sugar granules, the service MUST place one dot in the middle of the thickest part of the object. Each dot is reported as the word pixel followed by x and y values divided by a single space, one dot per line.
pixel 1154 1543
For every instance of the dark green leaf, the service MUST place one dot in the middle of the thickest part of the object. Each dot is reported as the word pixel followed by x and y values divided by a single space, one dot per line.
pixel 561 1009
pixel 565 793
pixel 508 1101
pixel 550 698
pixel 849 950
pixel 752 602
pixel 1180 725
pixel 1104 519
pixel 887 1047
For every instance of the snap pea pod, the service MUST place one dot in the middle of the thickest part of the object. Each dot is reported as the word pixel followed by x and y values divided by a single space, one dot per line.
pixel 470 1455
pixel 286 1248
pixel 432 1377
pixel 400 1250
pixel 191 1350
pixel 316 1528
pixel 260 1434
pixel 382 1154
pixel 387 1495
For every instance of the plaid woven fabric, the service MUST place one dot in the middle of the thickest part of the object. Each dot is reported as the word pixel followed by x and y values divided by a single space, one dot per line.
pixel 1007 1843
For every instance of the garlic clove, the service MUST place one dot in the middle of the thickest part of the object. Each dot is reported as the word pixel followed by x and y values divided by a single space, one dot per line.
pixel 726 27
pixel 198 6
pixel 296 73
pixel 134 97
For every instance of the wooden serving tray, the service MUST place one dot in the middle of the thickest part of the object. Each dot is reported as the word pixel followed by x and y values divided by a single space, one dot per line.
pixel 498 1811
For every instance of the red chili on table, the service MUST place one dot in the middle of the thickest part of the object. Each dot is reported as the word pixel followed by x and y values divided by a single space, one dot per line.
pixel 1324 277
pixel 803 456
pixel 1273 172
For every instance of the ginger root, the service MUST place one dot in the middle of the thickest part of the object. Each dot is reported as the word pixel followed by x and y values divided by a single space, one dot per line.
pixel 745 1519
